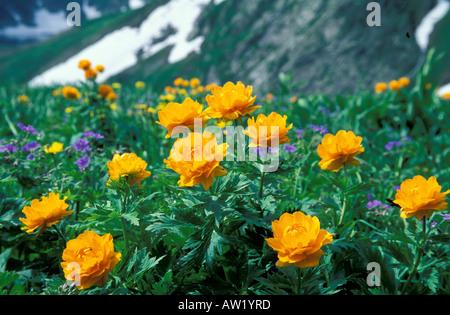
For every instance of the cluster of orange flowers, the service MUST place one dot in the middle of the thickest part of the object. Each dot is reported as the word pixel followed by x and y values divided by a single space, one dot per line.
pixel 394 85
pixel 89 72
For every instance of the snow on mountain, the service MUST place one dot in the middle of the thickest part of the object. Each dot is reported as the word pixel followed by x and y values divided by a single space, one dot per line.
pixel 426 26
pixel 46 24
pixel 118 50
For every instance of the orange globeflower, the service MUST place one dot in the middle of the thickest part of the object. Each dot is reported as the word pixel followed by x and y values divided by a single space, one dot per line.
pixel 44 213
pixel 71 93
pixel 265 130
pixel 380 87
pixel 194 82
pixel 88 259
pixel 196 159
pixel 230 102
pixel 175 114
pixel 84 64
pixel 403 81
pixel 104 90
pixel 420 197
pixel 129 166
pixel 100 68
pixel 90 74
pixel 339 150
pixel 446 96
pixel 298 240
pixel 394 85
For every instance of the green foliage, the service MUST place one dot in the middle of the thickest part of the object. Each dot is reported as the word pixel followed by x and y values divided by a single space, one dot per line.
pixel 190 241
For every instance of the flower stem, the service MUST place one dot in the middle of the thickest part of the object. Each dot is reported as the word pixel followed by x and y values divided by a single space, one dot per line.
pixel 261 183
pixel 63 238
pixel 122 220
pixel 418 257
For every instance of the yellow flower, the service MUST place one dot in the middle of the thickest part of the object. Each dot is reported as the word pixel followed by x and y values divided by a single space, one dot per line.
pixel 167 97
pixel 420 197
pixel 44 213
pixel 231 101
pixel 178 81
pixel 176 114
pixel 196 159
pixel 265 130
pixel 113 107
pixel 394 85
pixel 90 74
pixel 298 240
pixel 151 110
pixel 339 150
pixel 128 166
pixel 84 64
pixel 194 82
pixel 380 87
pixel 22 99
pixel 100 68
pixel 116 85
pixel 69 109
pixel 71 93
pixel 89 259
pixel 140 84
pixel 211 86
pixel 446 96
pixel 56 147
pixel 294 99
pixel 403 81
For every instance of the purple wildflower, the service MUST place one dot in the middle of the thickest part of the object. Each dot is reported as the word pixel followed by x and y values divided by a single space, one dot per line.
pixel 376 203
pixel 8 148
pixel 82 145
pixel 259 151
pixel 30 157
pixel 446 216
pixel 369 196
pixel 320 129
pixel 30 146
pixel 273 149
pixel 300 132
pixel 391 144
pixel 289 148
pixel 2 141
pixel 28 128
pixel 95 135
pixel 83 162
pixel 407 138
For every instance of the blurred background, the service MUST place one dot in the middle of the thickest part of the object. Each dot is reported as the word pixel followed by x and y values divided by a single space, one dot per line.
pixel 324 45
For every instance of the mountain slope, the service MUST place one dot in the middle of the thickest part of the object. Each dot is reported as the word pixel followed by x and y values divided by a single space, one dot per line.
pixel 325 45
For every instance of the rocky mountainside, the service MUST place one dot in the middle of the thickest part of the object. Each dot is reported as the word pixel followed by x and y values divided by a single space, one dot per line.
pixel 325 45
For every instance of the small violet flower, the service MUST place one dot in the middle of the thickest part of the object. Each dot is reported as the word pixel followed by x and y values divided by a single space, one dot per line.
pixel 82 145
pixel 28 128
pixel 92 134
pixel 391 144
pixel 289 148
pixel 83 162
pixel 320 129
pixel 30 146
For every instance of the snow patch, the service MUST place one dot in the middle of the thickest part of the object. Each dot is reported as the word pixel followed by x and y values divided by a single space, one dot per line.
pixel 90 12
pixel 136 4
pixel 427 24
pixel 46 24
